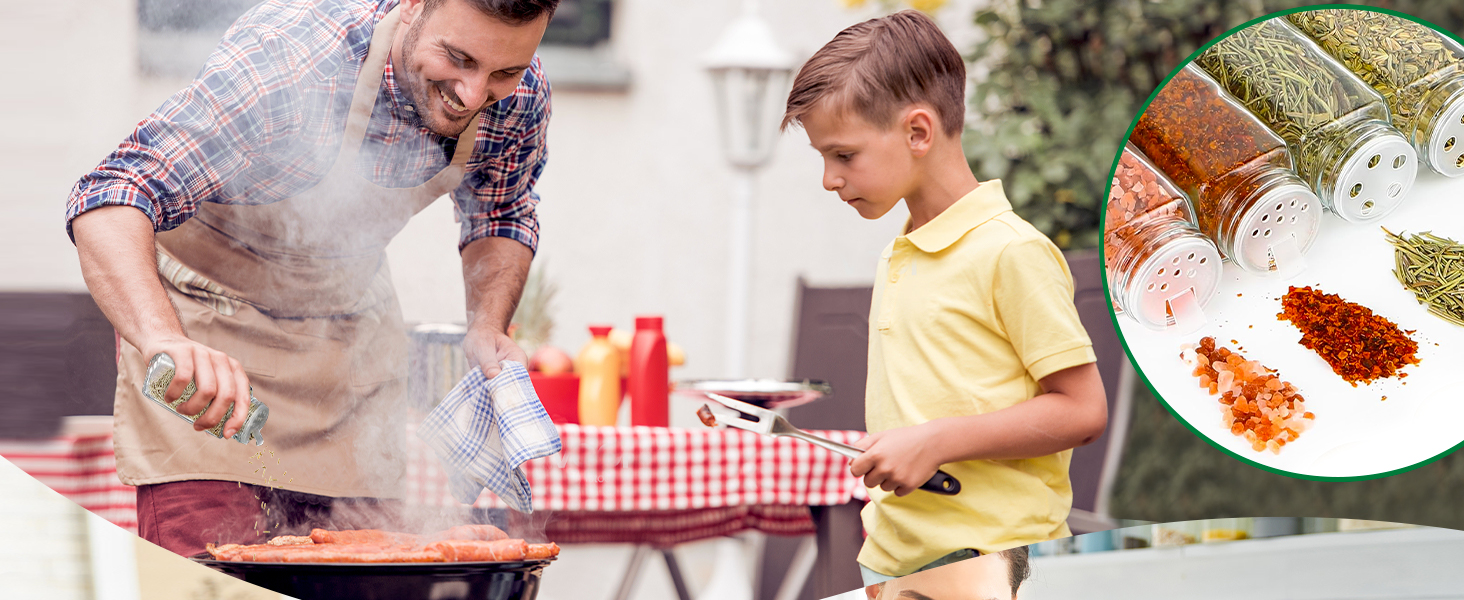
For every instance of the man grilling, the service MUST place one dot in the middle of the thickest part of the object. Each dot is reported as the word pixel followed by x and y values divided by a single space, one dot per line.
pixel 241 229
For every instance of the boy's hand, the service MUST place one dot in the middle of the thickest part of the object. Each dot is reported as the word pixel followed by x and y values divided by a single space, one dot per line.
pixel 897 460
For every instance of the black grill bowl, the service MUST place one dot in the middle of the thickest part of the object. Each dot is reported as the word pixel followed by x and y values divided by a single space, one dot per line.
pixel 516 580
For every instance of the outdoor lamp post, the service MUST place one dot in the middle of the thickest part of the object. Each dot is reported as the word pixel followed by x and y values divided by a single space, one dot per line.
pixel 750 75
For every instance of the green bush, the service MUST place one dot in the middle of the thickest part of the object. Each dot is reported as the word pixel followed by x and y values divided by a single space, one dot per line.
pixel 1067 78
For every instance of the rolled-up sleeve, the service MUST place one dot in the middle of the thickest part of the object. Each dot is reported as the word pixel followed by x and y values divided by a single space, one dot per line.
pixel 203 136
pixel 498 198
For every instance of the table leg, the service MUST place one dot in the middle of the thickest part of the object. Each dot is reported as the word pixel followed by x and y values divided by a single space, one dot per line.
pixel 799 569
pixel 632 571
pixel 840 534
pixel 675 569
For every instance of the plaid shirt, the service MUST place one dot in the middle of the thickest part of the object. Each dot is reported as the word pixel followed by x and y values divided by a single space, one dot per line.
pixel 264 119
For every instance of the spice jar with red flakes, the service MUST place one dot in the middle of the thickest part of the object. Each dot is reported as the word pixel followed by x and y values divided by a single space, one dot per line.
pixel 1259 213
pixel 1161 270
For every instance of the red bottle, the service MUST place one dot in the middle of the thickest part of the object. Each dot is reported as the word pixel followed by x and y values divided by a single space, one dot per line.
pixel 649 375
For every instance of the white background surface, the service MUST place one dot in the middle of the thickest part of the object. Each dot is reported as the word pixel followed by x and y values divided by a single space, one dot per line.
pixel 1409 563
pixel 1356 432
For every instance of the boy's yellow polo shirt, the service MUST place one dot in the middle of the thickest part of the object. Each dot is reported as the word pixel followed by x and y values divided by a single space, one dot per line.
pixel 969 311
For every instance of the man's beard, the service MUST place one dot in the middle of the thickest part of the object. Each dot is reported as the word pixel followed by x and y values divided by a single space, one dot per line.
pixel 422 95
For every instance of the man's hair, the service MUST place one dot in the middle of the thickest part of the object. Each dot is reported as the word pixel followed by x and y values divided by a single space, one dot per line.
pixel 881 65
pixel 1018 566
pixel 513 12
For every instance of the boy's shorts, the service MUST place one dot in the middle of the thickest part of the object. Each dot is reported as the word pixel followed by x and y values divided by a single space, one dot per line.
pixel 871 577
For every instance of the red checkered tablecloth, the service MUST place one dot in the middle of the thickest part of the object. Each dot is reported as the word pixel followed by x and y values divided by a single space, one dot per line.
pixel 661 469
pixel 627 484
pixel 81 468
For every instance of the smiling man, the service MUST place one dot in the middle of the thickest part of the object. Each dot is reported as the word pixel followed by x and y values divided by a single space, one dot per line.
pixel 241 229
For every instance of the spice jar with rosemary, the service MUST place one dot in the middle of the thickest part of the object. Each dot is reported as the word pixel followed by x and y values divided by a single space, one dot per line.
pixel 1161 270
pixel 1336 126
pixel 1247 198
pixel 1418 70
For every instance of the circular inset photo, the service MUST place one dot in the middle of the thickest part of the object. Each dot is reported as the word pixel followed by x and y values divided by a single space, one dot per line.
pixel 1284 243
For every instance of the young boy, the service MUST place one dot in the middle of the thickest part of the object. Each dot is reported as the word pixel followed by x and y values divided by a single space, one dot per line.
pixel 978 364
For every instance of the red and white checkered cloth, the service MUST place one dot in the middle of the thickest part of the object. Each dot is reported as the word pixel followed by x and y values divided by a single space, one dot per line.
pixel 627 484
pixel 661 469
pixel 81 468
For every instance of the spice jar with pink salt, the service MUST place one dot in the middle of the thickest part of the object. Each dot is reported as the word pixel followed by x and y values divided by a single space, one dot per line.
pixel 1161 270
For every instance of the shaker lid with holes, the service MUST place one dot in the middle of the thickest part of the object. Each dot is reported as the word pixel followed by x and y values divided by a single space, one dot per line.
pixel 1375 177
pixel 1444 147
pixel 1288 214
pixel 1177 279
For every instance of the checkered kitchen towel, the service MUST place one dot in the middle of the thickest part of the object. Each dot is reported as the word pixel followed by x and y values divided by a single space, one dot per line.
pixel 485 430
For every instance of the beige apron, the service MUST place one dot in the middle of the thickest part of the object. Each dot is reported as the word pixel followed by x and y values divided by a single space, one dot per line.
pixel 298 291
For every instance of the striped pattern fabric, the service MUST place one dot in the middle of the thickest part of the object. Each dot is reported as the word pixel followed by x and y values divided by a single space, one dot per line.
pixel 81 468
pixel 263 121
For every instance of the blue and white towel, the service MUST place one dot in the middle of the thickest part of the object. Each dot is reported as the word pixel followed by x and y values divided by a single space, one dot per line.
pixel 484 431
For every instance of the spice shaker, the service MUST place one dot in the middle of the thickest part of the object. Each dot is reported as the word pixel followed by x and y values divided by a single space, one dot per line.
pixel 1419 72
pixel 1236 170
pixel 1337 127
pixel 1161 270
pixel 160 374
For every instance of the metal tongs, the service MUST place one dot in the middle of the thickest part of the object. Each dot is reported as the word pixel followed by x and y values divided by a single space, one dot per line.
pixel 773 424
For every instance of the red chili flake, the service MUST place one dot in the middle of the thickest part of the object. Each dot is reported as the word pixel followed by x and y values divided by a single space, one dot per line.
pixel 1385 398
pixel 1359 345
pixel 1256 404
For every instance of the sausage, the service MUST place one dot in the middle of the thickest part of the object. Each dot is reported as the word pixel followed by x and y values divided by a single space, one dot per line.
pixel 542 551
pixel 223 552
pixel 707 418
pixel 362 536
pixel 486 533
pixel 480 551
pixel 332 553
pixel 290 540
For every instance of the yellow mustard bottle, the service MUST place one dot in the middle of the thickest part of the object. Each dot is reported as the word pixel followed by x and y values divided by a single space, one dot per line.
pixel 598 365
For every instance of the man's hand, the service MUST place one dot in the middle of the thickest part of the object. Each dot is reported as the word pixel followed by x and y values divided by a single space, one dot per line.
pixel 120 265
pixel 485 348
pixel 897 460
pixel 215 375
pixel 494 270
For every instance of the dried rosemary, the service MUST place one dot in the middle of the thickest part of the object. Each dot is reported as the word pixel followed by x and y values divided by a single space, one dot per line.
pixel 1294 88
pixel 1336 125
pixel 1433 269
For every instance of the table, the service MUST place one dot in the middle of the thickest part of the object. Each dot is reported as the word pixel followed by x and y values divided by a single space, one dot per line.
pixel 654 487
pixel 81 468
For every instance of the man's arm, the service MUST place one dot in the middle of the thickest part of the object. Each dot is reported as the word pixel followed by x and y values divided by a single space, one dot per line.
pixel 1072 411
pixel 500 231
pixel 119 264
pixel 494 271
pixel 245 98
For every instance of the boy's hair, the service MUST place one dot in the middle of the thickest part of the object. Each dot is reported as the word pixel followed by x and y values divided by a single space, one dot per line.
pixel 880 66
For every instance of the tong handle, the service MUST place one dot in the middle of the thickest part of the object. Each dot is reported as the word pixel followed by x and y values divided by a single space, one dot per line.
pixel 941 483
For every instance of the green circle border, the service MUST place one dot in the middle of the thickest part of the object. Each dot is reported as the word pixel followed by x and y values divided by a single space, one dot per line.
pixel 1103 258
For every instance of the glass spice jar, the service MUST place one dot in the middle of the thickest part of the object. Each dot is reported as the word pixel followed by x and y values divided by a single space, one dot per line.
pixel 1238 172
pixel 1418 70
pixel 1337 127
pixel 1161 270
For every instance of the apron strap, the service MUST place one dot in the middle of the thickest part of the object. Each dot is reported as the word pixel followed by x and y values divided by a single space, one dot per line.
pixel 363 101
